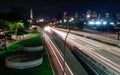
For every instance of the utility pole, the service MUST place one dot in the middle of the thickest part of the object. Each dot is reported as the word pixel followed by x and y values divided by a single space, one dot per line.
pixel 64 62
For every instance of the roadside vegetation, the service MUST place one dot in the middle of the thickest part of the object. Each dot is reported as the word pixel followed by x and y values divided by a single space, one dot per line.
pixel 14 48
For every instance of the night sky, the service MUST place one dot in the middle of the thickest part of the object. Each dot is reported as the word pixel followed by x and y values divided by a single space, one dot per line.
pixel 51 7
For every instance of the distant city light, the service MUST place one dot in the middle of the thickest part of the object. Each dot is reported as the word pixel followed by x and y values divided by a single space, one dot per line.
pixel 51 23
pixel 97 22
pixel 28 20
pixel 85 23
pixel 65 20
pixel 72 19
pixel 37 21
pixel 104 23
pixel 47 28
pixel 60 21
pixel 111 23
pixel 88 16
pixel 91 22
pixel 101 20
pixel 54 23
pixel 41 20
pixel 118 22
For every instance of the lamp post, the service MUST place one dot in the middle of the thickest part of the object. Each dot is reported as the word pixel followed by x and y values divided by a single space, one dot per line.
pixel 64 65
pixel 65 22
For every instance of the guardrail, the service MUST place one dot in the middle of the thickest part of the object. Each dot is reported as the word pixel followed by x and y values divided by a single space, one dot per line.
pixel 32 49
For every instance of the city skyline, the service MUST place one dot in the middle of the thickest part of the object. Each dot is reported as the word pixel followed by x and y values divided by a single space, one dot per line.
pixel 51 7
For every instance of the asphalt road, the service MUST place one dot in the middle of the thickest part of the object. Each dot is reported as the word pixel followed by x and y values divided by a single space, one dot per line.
pixel 72 62
pixel 104 53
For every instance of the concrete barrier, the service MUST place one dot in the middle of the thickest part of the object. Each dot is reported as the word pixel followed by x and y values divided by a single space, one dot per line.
pixel 32 49
pixel 20 62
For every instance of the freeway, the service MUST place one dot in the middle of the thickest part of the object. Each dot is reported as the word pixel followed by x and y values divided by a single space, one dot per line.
pixel 95 37
pixel 106 56
pixel 59 59
pixel 71 61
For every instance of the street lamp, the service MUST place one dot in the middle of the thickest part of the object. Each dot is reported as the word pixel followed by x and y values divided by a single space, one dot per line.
pixel 65 20
pixel 60 21
pixel 72 19
pixel 112 23
pixel 97 22
pixel 64 66
pixel 88 16
pixel 104 23
pixel 41 20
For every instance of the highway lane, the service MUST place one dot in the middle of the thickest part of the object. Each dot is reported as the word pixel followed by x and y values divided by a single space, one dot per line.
pixel 94 36
pixel 104 53
pixel 56 58
pixel 74 65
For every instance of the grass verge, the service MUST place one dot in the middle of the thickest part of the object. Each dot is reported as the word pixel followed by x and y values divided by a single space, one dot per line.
pixel 43 69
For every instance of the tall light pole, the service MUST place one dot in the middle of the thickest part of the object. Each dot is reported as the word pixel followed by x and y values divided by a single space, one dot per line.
pixel 66 17
pixel 64 65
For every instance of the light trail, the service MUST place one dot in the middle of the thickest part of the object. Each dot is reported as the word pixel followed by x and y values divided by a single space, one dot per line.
pixel 91 46
pixel 58 56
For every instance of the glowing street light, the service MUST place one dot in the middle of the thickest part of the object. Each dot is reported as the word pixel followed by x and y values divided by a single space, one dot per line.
pixel 41 20
pixel 91 22
pixel 104 22
pixel 88 16
pixel 111 23
pixel 72 19
pixel 65 20
pixel 97 22
pixel 60 21
pixel 47 28
pixel 37 21
pixel 54 22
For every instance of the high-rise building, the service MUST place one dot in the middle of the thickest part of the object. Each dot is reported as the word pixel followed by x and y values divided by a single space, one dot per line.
pixel 65 15
pixel 94 14
pixel 76 16
pixel 88 14
pixel 107 15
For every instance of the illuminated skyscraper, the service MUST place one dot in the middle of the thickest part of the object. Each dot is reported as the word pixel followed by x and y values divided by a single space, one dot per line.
pixel 76 16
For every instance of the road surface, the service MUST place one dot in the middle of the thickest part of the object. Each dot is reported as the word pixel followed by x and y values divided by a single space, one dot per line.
pixel 106 54
pixel 72 62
